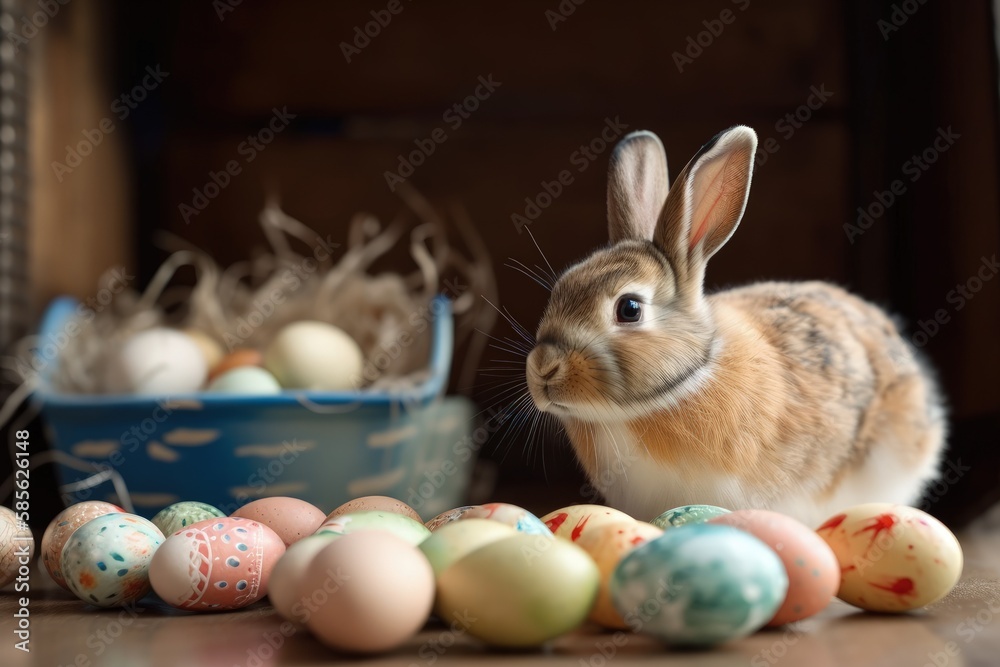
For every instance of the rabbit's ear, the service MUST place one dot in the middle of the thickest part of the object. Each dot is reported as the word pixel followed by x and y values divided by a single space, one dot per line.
pixel 637 187
pixel 707 201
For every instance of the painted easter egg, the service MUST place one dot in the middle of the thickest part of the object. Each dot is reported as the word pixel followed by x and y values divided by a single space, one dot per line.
pixel 892 557
pixel 812 568
pixel 180 515
pixel 688 515
pixel 457 539
pixel 62 526
pixel 571 522
pixel 376 504
pixel 245 380
pixel 17 546
pixel 288 573
pixel 607 544
pixel 699 586
pixel 401 526
pixel 291 518
pixel 519 518
pixel 106 560
pixel 216 564
pixel 523 590
pixel 448 516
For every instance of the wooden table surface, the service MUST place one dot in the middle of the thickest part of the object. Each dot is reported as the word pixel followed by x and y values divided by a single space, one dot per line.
pixel 961 630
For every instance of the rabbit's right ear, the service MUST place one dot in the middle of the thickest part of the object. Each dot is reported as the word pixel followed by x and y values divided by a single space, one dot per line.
pixel 637 187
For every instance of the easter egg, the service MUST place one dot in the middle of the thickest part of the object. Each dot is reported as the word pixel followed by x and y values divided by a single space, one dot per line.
pixel 291 518
pixel 687 515
pixel 17 546
pixel 448 516
pixel 106 560
pixel 245 380
pixel 155 362
pixel 571 522
pixel 180 515
pixel 892 557
pixel 60 529
pixel 243 357
pixel 454 540
pixel 523 590
pixel 368 592
pixel 518 518
pixel 286 577
pixel 401 526
pixel 375 503
pixel 216 564
pixel 699 586
pixel 314 355
pixel 607 544
pixel 812 568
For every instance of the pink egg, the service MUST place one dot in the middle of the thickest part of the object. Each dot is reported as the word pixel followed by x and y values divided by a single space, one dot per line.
pixel 291 518
pixel 813 571
pixel 62 526
pixel 375 504
pixel 216 564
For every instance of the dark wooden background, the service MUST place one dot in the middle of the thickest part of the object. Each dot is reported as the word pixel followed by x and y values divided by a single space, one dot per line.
pixel 607 59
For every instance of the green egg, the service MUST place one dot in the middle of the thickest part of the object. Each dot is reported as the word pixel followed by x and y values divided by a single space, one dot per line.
pixel 401 526
pixel 687 515
pixel 455 540
pixel 246 380
pixel 700 586
pixel 179 515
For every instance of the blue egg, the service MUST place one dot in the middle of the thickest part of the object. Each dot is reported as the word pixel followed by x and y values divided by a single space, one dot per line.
pixel 687 515
pixel 700 586
pixel 246 380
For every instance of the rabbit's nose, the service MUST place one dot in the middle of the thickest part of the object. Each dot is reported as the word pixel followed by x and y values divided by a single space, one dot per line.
pixel 544 363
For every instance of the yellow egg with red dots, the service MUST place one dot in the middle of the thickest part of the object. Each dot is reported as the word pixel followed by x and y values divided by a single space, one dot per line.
pixel 570 522
pixel 893 558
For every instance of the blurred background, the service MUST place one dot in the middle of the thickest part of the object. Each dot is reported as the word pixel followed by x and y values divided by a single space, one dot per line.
pixel 878 166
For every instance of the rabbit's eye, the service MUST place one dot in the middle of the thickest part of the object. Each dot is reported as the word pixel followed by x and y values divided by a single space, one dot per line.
pixel 628 309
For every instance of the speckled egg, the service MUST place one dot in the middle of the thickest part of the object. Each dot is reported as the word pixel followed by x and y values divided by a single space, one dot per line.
pixel 448 516
pixel 216 564
pixel 401 526
pixel 699 586
pixel 688 515
pixel 523 590
pixel 519 518
pixel 291 518
pixel 455 540
pixel 607 544
pixel 288 573
pixel 375 504
pixel 17 546
pixel 62 526
pixel 180 515
pixel 106 560
pixel 892 557
pixel 812 568
pixel 571 522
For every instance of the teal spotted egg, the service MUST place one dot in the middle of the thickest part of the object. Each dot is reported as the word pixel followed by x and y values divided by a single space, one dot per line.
pixel 699 586
pixel 180 515
pixel 106 560
pixel 516 517
pixel 687 515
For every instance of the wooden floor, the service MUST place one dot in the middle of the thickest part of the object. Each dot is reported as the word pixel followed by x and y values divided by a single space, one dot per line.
pixel 963 630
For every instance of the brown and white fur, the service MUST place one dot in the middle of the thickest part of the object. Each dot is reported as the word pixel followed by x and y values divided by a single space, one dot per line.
pixel 797 397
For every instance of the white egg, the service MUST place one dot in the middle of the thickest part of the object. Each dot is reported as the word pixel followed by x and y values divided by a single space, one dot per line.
pixel 245 380
pixel 314 355
pixel 156 362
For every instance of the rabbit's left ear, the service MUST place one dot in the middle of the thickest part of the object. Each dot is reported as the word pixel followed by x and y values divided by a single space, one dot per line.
pixel 707 201
pixel 637 187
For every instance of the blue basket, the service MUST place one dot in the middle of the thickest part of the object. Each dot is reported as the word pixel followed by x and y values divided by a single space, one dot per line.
pixel 225 450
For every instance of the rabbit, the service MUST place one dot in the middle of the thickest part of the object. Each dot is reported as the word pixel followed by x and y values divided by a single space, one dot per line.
pixel 796 397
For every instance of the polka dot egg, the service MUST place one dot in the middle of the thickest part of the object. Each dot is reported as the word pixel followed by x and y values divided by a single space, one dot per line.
pixel 216 564
pixel 106 560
